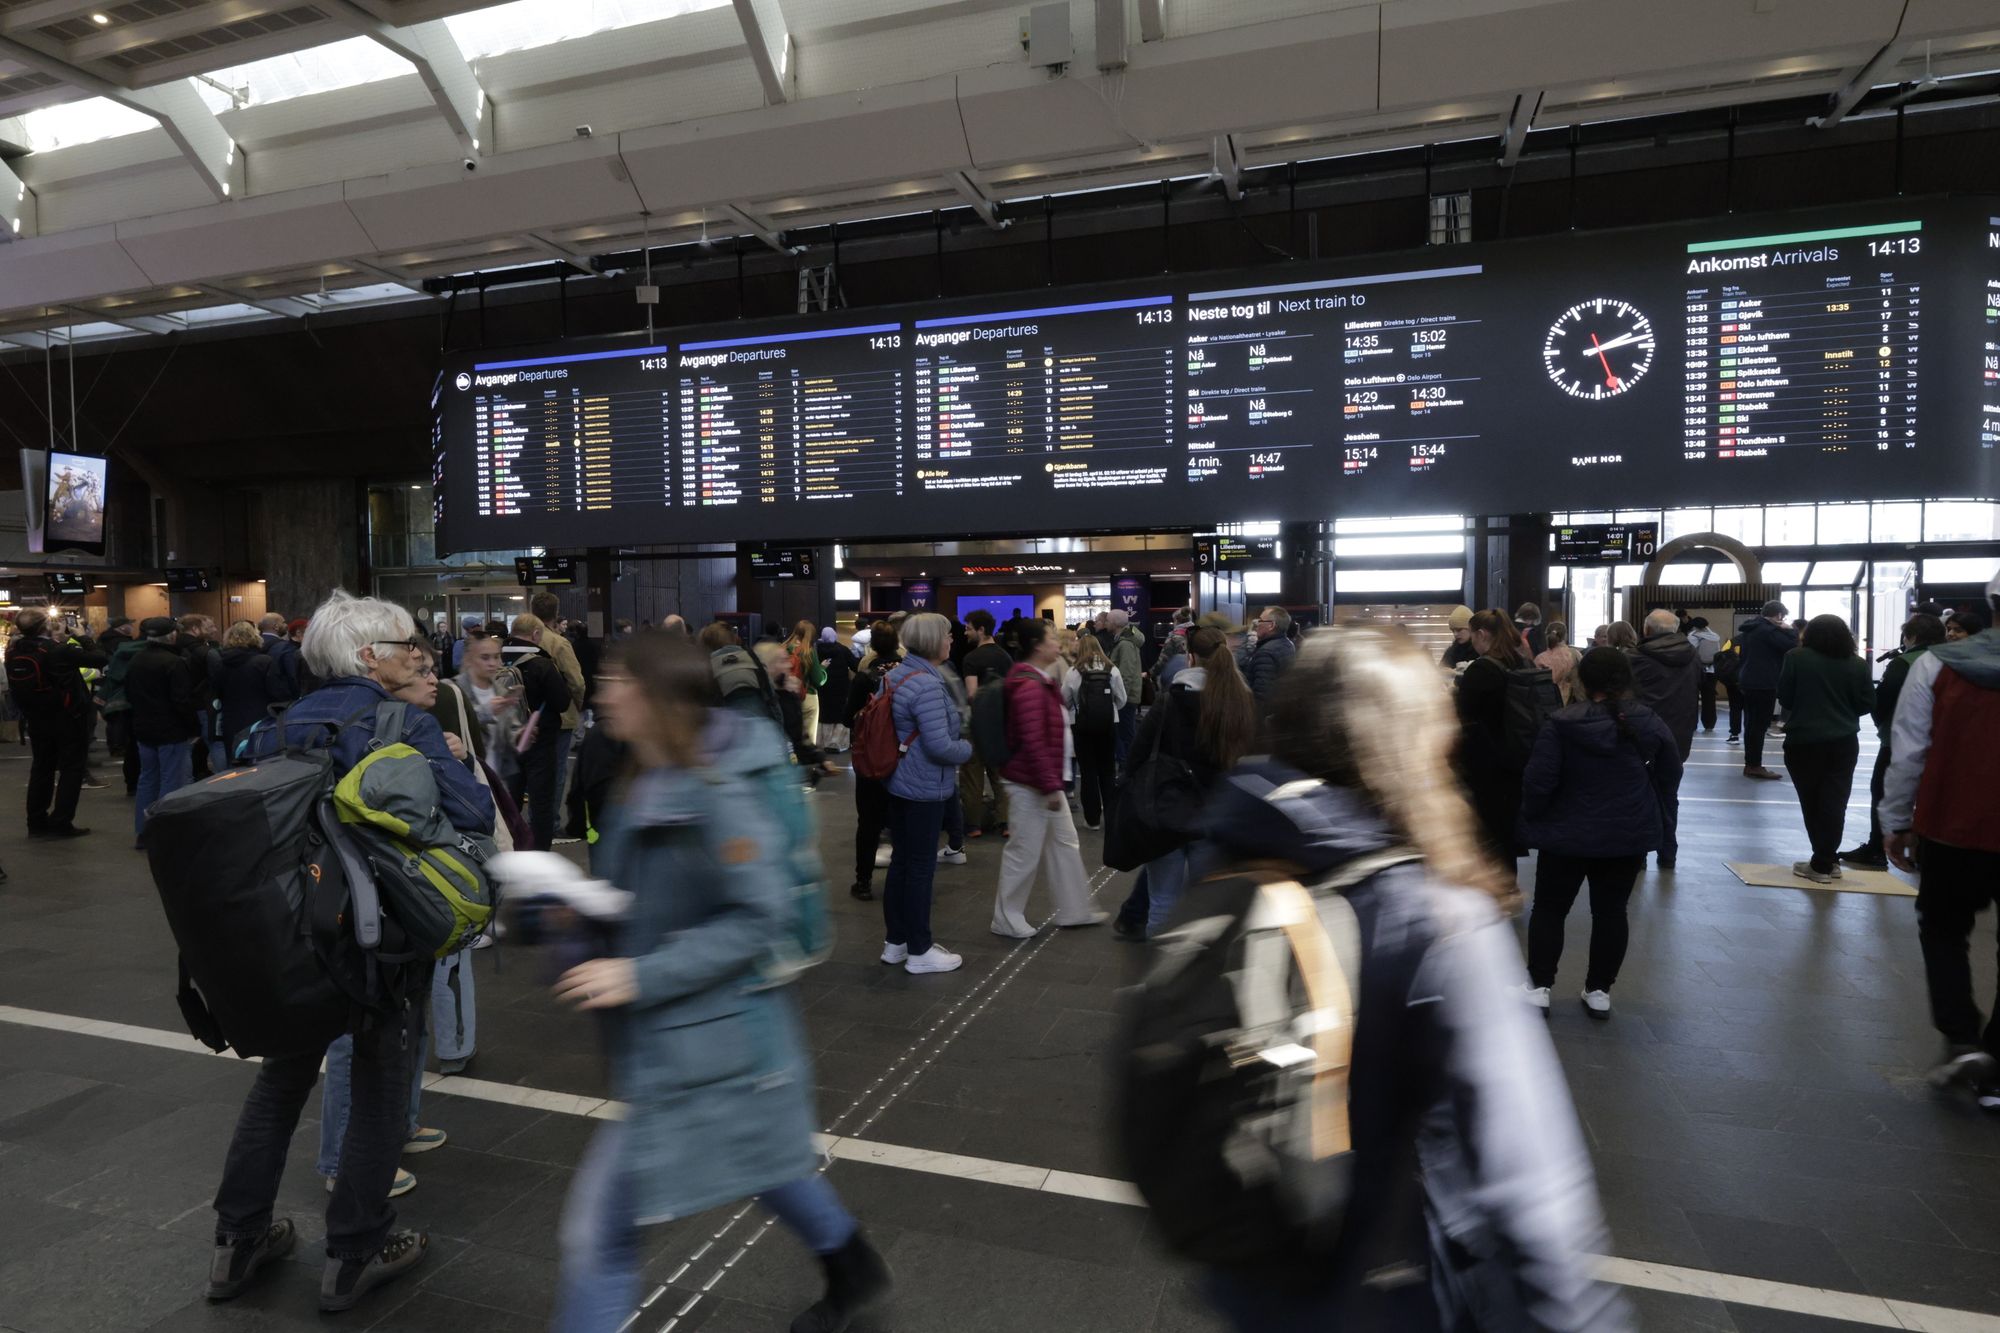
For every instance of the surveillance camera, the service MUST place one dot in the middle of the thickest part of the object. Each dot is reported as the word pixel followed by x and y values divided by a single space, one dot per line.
pixel 472 164
pixel 583 131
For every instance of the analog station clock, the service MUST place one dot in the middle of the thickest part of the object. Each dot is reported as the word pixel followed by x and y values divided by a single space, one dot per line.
pixel 1598 349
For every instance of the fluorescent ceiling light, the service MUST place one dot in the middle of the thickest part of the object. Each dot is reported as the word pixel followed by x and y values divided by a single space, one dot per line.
pixel 101 20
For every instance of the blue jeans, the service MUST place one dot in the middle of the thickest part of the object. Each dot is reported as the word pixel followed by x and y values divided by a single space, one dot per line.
pixel 163 770
pixel 337 1095
pixel 906 898
pixel 1166 876
pixel 454 1025
pixel 598 1286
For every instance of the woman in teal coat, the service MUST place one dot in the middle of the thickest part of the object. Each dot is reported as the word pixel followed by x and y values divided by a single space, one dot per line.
pixel 710 1058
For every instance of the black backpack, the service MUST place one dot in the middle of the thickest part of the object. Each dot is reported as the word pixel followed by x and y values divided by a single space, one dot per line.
pixel 989 725
pixel 32 681
pixel 1232 1067
pixel 1096 709
pixel 1532 695
pixel 282 941
pixel 1728 664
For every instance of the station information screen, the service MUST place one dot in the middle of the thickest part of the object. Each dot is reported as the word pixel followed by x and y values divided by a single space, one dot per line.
pixel 1607 543
pixel 1824 356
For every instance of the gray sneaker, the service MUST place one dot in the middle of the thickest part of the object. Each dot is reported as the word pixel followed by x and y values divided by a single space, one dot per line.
pixel 345 1281
pixel 235 1267
pixel 1968 1066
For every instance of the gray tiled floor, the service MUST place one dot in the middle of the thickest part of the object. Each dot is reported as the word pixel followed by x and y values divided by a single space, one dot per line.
pixel 1756 1107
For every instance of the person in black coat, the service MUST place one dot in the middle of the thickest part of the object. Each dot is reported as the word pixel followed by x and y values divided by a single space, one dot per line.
pixel 1592 798
pixel 245 681
pixel 838 659
pixel 166 718
pixel 871 795
pixel 1490 769
pixel 1666 677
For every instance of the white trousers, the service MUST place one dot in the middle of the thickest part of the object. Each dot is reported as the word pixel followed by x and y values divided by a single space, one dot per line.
pixel 1039 839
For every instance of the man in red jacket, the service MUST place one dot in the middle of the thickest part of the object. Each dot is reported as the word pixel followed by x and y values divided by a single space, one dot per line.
pixel 1042 832
pixel 1937 806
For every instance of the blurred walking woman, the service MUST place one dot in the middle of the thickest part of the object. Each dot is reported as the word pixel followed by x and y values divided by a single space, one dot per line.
pixel 1592 800
pixel 1825 689
pixel 709 1056
pixel 1492 775
pixel 1470 1181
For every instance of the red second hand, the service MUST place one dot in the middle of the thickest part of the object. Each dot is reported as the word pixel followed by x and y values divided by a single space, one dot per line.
pixel 1610 380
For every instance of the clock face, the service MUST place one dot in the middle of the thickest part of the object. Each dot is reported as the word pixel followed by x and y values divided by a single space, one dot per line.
pixel 1598 349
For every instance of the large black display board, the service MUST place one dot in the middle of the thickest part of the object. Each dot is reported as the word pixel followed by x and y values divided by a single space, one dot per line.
pixel 1839 355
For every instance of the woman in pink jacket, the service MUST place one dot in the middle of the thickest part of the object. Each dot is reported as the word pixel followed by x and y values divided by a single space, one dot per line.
pixel 1041 832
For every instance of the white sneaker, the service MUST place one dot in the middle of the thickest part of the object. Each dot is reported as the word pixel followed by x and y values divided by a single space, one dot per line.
pixel 951 856
pixel 937 958
pixel 893 954
pixel 1089 919
pixel 1533 994
pixel 1028 934
pixel 883 856
pixel 1597 1003
pixel 1804 870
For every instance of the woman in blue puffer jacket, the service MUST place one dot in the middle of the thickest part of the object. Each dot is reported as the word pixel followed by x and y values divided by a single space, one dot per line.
pixel 1591 801
pixel 928 727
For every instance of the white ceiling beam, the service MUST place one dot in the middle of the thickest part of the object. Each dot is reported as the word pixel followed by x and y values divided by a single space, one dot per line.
pixel 17 206
pixel 154 324
pixel 758 227
pixel 439 63
pixel 169 27
pixel 769 38
pixel 545 246
pixel 375 268
pixel 1228 167
pixel 1866 77
pixel 177 106
pixel 31 338
pixel 978 200
pixel 1152 20
pixel 289 306
pixel 1527 105
pixel 44 12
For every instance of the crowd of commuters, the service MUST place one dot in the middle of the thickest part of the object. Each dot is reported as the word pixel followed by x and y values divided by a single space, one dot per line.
pixel 1230 745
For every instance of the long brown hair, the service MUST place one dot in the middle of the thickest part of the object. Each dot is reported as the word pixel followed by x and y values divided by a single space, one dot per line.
pixel 1090 654
pixel 1360 709
pixel 1228 726
pixel 678 684
pixel 1506 640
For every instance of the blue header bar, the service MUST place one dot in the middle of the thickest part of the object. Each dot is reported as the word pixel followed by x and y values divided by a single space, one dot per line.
pixel 1040 311
pixel 565 360
pixel 765 339
pixel 1372 280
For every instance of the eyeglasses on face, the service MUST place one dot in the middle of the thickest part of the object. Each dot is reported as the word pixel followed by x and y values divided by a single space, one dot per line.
pixel 411 645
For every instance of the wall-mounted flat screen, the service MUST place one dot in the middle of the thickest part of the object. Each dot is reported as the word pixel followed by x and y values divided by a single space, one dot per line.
pixel 1826 355
pixel 781 562
pixel 1003 608
pixel 538 571
pixel 188 580
pixel 1607 543
pixel 75 503
pixel 67 584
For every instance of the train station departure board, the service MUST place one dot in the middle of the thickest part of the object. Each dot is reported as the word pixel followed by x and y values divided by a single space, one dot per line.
pixel 1843 355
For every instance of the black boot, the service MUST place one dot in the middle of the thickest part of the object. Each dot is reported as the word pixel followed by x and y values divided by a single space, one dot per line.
pixel 856 1277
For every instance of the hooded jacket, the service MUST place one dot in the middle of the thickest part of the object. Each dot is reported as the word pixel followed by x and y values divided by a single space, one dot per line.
pixel 245 682
pixel 1591 789
pixel 1269 661
pixel 161 689
pixel 1036 724
pixel 1764 644
pixel 1445 1073
pixel 1127 654
pixel 1666 675
pixel 1944 765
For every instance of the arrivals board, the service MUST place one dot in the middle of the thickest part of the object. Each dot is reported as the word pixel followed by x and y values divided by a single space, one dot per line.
pixel 1840 355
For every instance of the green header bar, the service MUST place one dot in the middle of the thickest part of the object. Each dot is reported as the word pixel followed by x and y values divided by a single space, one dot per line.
pixel 1799 237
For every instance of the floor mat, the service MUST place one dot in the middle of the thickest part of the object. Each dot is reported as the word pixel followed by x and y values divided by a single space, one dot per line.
pixel 1851 880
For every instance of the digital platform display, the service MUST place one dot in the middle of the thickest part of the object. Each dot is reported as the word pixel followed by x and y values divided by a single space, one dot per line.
pixel 76 502
pixel 781 562
pixel 1607 543
pixel 1824 356
pixel 67 585
pixel 188 580
pixel 536 571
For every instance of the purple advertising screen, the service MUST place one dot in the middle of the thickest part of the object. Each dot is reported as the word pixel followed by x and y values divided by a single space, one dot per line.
pixel 1002 608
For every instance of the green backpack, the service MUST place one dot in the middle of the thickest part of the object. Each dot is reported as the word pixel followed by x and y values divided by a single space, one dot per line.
pixel 431 876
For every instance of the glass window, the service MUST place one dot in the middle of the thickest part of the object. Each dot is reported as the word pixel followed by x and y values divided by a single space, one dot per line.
pixel 1248 529
pixel 1438 544
pixel 1897 521
pixel 1263 582
pixel 1681 522
pixel 1835 573
pixel 1843 524
pixel 1745 525
pixel 1558 577
pixel 1788 525
pixel 1588 518
pixel 1628 576
pixel 1791 573
pixel 1961 569
pixel 1398 580
pixel 847 591
pixel 1417 523
pixel 1589 601
pixel 529 23
pixel 1961 521
pixel 1684 575
pixel 1824 603
pixel 1637 516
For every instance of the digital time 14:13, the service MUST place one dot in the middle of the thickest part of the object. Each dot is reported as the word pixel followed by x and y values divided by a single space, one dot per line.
pixel 1902 245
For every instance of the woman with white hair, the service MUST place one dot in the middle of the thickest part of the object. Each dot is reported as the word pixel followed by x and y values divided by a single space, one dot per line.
pixel 365 650
pixel 927 726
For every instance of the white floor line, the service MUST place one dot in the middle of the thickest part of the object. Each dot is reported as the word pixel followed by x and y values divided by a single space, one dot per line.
pixel 1854 1307
pixel 1755 800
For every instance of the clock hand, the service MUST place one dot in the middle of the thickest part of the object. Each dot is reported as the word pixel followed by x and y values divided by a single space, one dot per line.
pixel 1610 380
pixel 1617 342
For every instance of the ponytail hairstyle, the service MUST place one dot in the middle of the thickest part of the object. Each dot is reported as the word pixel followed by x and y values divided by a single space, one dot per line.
pixel 1608 671
pixel 1360 709
pixel 1505 641
pixel 1228 726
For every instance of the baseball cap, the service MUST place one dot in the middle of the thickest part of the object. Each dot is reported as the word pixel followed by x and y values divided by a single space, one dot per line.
pixel 295 627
